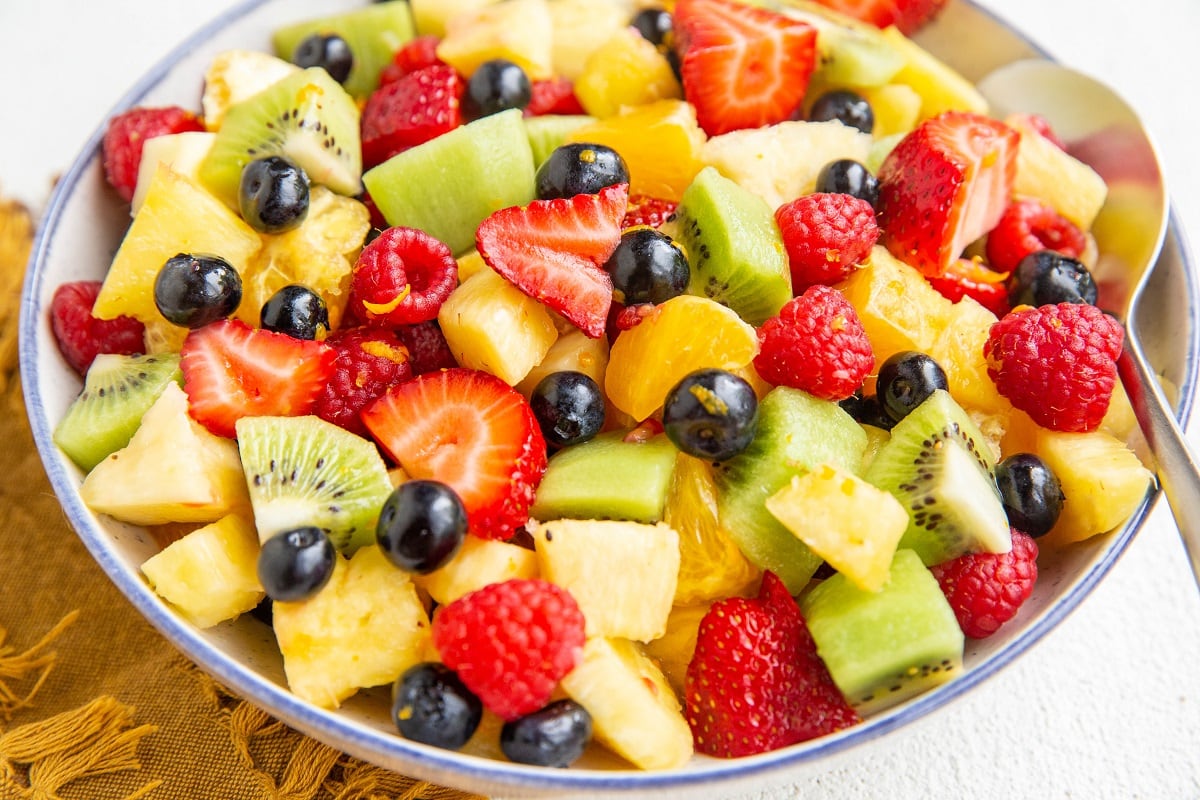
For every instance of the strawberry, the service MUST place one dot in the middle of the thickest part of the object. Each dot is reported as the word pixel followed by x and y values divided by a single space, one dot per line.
pixel 755 682
pixel 231 370
pixel 127 133
pixel 410 111
pixel 742 67
pixel 553 96
pixel 969 277
pixel 907 15
pixel 554 251
pixel 944 185
pixel 472 431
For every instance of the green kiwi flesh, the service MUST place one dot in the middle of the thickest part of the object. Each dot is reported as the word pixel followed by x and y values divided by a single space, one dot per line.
pixel 374 34
pixel 937 464
pixel 851 57
pixel 884 647
pixel 307 117
pixel 450 184
pixel 304 471
pixel 734 247
pixel 549 132
pixel 117 391
pixel 795 433
pixel 607 478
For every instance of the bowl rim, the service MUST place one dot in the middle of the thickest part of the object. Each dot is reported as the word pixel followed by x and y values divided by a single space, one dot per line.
pixel 394 752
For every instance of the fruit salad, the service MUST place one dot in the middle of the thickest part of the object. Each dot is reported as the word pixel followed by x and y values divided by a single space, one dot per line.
pixel 666 379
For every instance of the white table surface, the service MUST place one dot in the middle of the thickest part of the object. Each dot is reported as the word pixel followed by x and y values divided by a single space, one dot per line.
pixel 1106 706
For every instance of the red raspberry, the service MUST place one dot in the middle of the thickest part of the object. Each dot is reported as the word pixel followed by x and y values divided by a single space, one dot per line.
pixel 402 277
pixel 1027 226
pixel 968 277
pixel 511 642
pixel 368 362
pixel 81 336
pixel 1057 363
pixel 410 111
pixel 986 589
pixel 418 53
pixel 646 210
pixel 816 343
pixel 127 132
pixel 428 349
pixel 826 236
pixel 622 317
pixel 553 96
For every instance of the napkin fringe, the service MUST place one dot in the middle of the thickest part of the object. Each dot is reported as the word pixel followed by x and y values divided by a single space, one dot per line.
pixel 18 666
pixel 16 237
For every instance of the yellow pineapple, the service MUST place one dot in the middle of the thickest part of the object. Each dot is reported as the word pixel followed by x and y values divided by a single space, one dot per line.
pixel 433 17
pixel 673 650
pixel 1049 173
pixel 940 87
pixel 477 563
pixel 470 263
pixel 211 574
pixel 236 75
pixel 958 348
pixel 182 152
pixel 580 28
pixel 626 70
pixel 364 628
pixel 897 108
pixel 520 31
pixel 573 350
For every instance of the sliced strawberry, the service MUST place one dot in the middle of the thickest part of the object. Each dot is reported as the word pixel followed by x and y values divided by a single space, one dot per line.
pixel 554 251
pixel 472 431
pixel 418 53
pixel 755 682
pixel 553 96
pixel 742 67
pixel 907 15
pixel 410 111
pixel 944 185
pixel 231 370
pixel 967 277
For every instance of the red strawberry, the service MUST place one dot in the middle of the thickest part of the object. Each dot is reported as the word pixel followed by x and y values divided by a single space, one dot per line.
pixel 231 370
pixel 410 111
pixel 1038 124
pixel 402 277
pixel 742 67
pixel 1029 225
pixel 368 362
pixel 418 53
pixel 469 430
pixel 128 131
pixel 944 185
pixel 907 15
pixel 554 251
pixel 987 589
pixel 553 96
pixel 646 210
pixel 755 682
pixel 968 277
pixel 80 336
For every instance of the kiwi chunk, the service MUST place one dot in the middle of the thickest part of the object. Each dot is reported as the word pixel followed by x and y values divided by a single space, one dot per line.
pixel 607 478
pixel 548 132
pixel 938 466
pixel 305 471
pixel 117 391
pixel 795 433
pixel 374 34
pixel 884 647
pixel 307 117
pixel 734 247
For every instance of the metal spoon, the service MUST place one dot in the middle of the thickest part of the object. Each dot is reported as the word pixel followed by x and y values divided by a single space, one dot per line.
pixel 1103 131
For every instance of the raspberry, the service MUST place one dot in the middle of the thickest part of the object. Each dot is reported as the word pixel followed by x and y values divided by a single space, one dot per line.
pixel 401 278
pixel 418 53
pixel 428 349
pixel 410 111
pixel 553 96
pixel 986 589
pixel 1041 125
pixel 368 362
pixel 81 336
pixel 127 132
pixel 1027 226
pixel 817 344
pixel 1057 363
pixel 511 642
pixel 646 210
pixel 826 236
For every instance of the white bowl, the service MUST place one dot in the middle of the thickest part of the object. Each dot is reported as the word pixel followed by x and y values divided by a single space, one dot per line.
pixel 82 229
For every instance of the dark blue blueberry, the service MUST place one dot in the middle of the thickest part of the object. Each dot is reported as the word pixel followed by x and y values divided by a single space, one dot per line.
pixel 328 51
pixel 866 410
pixel 849 108
pixel 711 414
pixel 580 169
pixel 905 380
pixel 194 290
pixel 421 525
pixel 273 194
pixel 569 407
pixel 554 736
pixel 496 86
pixel 432 706
pixel 295 564
pixel 297 311
pixel 847 176
pixel 654 24
pixel 647 267
pixel 1031 493
pixel 1047 277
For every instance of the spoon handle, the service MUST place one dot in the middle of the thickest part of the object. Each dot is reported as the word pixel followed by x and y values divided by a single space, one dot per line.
pixel 1177 466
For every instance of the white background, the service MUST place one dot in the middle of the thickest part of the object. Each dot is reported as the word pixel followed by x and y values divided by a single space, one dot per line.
pixel 1108 705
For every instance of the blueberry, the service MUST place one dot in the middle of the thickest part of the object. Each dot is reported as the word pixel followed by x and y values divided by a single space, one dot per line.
pixel 328 51
pixel 849 108
pixel 654 24
pixel 580 169
pixel 273 194
pixel 905 380
pixel 1047 277
pixel 1031 493
pixel 194 290
pixel 421 525
pixel 496 86
pixel 647 267
pixel 295 564
pixel 569 407
pixel 297 311
pixel 554 736
pixel 866 410
pixel 711 414
pixel 431 705
pixel 847 176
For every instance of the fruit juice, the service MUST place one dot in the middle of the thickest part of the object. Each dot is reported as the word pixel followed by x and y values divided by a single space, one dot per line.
pixel 592 382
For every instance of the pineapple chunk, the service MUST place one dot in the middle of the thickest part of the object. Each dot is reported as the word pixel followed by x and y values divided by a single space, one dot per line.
pixel 493 326
pixel 627 70
pixel 673 650
pixel 364 628
pixel 622 574
pixel 211 574
pixel 182 152
pixel 635 713
pixel 477 563
pixel 520 31
pixel 580 28
pixel 1049 173
pixel 434 17
pixel 172 470
pixel 470 263
pixel 236 75
pixel 940 87
pixel 897 108
pixel 958 348
pixel 575 351
pixel 844 520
